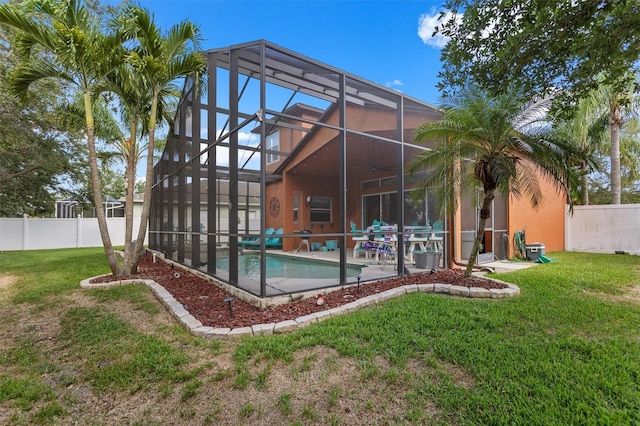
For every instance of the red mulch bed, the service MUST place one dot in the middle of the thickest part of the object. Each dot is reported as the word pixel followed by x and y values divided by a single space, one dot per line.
pixel 205 300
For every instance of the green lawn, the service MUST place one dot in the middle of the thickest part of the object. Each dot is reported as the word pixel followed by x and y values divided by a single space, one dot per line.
pixel 565 351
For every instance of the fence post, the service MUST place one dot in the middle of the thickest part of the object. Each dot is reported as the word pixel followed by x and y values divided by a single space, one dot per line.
pixel 567 229
pixel 25 231
pixel 78 230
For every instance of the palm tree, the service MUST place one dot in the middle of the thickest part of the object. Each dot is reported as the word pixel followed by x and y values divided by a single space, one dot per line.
pixel 159 61
pixel 71 47
pixel 126 86
pixel 585 128
pixel 496 143
pixel 618 106
pixel 135 102
pixel 78 51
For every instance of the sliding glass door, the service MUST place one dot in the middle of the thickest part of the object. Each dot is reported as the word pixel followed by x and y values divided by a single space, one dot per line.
pixel 383 208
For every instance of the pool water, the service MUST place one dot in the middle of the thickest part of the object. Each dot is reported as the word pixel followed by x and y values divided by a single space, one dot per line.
pixel 287 267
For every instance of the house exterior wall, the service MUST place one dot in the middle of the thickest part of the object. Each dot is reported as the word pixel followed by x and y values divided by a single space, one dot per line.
pixel 546 224
pixel 365 120
pixel 290 138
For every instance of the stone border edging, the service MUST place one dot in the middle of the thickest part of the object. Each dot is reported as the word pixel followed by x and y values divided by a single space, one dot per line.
pixel 194 326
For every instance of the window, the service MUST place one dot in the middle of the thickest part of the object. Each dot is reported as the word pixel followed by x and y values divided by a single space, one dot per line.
pixel 273 144
pixel 296 206
pixel 320 209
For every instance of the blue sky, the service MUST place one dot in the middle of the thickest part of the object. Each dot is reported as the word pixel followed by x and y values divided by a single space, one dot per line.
pixel 377 40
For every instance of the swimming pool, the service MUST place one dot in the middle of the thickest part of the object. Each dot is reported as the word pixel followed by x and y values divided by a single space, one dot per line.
pixel 287 267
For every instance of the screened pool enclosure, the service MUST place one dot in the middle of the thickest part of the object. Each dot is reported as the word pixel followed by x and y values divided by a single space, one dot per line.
pixel 282 160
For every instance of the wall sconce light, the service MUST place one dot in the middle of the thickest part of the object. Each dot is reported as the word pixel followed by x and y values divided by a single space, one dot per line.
pixel 308 198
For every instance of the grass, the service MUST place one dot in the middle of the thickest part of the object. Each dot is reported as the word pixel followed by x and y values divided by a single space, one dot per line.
pixel 133 294
pixel 284 404
pixel 565 351
pixel 117 356
pixel 46 273
pixel 555 354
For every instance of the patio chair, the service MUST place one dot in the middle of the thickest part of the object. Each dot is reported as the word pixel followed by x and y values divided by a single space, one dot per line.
pixel 387 250
pixel 360 238
pixel 378 236
pixel 275 242
pixel 254 242
pixel 417 242
pixel 436 238
pixel 355 230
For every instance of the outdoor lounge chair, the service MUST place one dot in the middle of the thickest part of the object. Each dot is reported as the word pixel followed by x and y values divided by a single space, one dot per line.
pixel 275 242
pixel 254 242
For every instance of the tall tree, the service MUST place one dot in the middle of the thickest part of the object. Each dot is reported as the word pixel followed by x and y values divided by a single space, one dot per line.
pixel 600 180
pixel 618 105
pixel 585 127
pixel 560 46
pixel 159 60
pixel 78 49
pixel 38 153
pixel 73 48
pixel 109 146
pixel 497 144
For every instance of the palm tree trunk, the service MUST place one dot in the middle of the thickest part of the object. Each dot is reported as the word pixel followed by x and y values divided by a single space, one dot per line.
pixel 130 259
pixel 146 204
pixel 97 189
pixel 485 213
pixel 585 188
pixel 615 120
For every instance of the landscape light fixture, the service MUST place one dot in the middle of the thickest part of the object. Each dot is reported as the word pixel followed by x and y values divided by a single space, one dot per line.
pixel 228 301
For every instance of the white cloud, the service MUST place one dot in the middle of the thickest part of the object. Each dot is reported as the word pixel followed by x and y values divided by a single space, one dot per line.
pixel 427 24
pixel 394 84
pixel 244 139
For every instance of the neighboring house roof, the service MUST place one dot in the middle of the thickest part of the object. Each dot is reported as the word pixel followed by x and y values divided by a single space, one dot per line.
pixel 137 198
pixel 107 199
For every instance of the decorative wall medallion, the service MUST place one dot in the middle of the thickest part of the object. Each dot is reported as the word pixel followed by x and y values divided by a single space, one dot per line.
pixel 274 206
pixel 351 207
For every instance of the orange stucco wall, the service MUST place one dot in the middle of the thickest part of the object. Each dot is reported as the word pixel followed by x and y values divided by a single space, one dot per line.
pixel 545 224
pixel 316 147
pixel 271 221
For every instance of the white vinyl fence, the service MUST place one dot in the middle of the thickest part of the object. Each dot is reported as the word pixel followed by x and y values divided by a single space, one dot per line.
pixel 603 229
pixel 596 229
pixel 34 234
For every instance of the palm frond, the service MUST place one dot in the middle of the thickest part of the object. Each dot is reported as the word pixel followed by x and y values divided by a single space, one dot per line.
pixel 33 32
pixel 179 36
pixel 507 144
pixel 31 71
